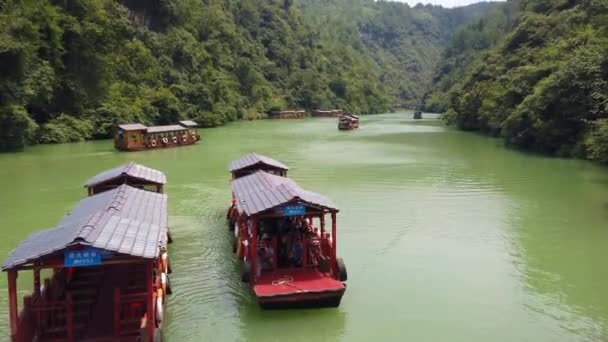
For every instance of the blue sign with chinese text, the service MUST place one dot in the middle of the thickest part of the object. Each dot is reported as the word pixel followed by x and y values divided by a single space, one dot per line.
pixel 84 257
pixel 294 210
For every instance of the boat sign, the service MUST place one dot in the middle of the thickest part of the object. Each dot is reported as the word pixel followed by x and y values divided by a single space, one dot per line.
pixel 84 257
pixel 294 210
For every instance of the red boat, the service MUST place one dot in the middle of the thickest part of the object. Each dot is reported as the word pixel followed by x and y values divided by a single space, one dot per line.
pixel 286 253
pixel 108 266
pixel 348 122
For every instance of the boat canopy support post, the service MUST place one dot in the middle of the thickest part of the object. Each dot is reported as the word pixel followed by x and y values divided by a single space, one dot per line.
pixel 12 302
pixel 151 317
pixel 334 241
pixel 322 223
pixel 37 283
pixel 69 310
pixel 254 250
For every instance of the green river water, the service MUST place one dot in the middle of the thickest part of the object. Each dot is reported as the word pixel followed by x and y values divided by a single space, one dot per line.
pixel 447 236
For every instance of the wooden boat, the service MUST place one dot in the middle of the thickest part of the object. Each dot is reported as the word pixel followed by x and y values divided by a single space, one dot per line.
pixel 253 162
pixel 137 137
pixel 109 265
pixel 288 259
pixel 133 174
pixel 287 114
pixel 335 113
pixel 418 114
pixel 348 122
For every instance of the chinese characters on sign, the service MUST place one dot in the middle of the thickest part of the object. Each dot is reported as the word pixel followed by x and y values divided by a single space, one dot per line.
pixel 294 210
pixel 85 257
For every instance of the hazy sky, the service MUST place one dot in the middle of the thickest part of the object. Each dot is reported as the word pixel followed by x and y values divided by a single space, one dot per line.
pixel 444 3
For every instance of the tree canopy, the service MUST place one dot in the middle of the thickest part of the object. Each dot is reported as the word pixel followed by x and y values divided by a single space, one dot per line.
pixel 72 69
pixel 534 72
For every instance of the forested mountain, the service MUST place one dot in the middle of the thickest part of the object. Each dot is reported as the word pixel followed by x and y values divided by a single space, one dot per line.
pixel 70 69
pixel 539 79
pixel 404 42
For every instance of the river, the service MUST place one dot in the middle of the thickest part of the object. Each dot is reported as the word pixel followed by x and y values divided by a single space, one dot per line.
pixel 447 236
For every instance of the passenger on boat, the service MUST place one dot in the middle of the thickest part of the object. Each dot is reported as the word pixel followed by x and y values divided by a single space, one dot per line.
pixel 284 248
pixel 296 252
pixel 266 253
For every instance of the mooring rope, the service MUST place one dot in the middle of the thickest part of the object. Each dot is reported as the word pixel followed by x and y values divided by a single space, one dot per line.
pixel 283 280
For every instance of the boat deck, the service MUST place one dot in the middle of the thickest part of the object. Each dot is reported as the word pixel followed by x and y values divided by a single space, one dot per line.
pixel 296 281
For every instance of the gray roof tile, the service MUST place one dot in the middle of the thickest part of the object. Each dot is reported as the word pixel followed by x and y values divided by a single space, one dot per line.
pixel 169 128
pixel 133 127
pixel 188 123
pixel 262 191
pixel 132 170
pixel 125 220
pixel 254 158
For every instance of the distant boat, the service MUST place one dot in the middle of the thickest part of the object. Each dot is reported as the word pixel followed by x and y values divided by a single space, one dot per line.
pixel 418 114
pixel 348 122
pixel 335 113
pixel 137 137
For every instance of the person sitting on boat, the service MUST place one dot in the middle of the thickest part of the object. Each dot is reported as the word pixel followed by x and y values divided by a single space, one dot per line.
pixel 266 253
pixel 284 248
pixel 296 252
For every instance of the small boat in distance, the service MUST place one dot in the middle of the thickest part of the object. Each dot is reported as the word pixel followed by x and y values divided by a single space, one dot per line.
pixel 286 254
pixel 335 113
pixel 418 114
pixel 348 122
pixel 137 137
pixel 287 114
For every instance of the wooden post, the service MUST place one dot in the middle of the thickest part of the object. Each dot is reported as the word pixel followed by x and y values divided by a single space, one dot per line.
pixel 322 220
pixel 12 303
pixel 304 251
pixel 334 240
pixel 37 283
pixel 68 316
pixel 116 312
pixel 254 250
pixel 150 323
pixel 275 257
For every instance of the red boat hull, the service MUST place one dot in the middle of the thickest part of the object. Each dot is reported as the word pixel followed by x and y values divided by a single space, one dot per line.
pixel 302 300
pixel 298 288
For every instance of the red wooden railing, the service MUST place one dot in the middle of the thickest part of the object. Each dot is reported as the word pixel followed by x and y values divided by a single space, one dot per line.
pixel 128 312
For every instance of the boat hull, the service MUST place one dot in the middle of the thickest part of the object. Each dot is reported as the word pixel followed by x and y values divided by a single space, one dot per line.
pixel 302 300
pixel 298 288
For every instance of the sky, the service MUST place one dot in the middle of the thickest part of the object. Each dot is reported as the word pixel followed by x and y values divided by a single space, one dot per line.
pixel 444 3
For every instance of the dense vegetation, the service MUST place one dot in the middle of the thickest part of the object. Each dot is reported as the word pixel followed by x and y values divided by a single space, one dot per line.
pixel 404 43
pixel 71 69
pixel 534 72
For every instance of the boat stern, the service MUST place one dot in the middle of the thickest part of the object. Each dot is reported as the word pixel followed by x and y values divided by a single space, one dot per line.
pixel 298 289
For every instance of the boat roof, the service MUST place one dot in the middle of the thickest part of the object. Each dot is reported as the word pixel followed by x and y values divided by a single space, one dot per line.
pixel 188 123
pixel 132 127
pixel 253 159
pixel 131 169
pixel 168 128
pixel 261 191
pixel 126 220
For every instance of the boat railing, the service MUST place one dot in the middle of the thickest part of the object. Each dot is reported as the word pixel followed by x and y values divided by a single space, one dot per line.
pixel 129 308
pixel 46 317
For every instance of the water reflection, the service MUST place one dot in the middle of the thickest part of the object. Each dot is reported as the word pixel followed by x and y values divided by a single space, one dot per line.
pixel 291 325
